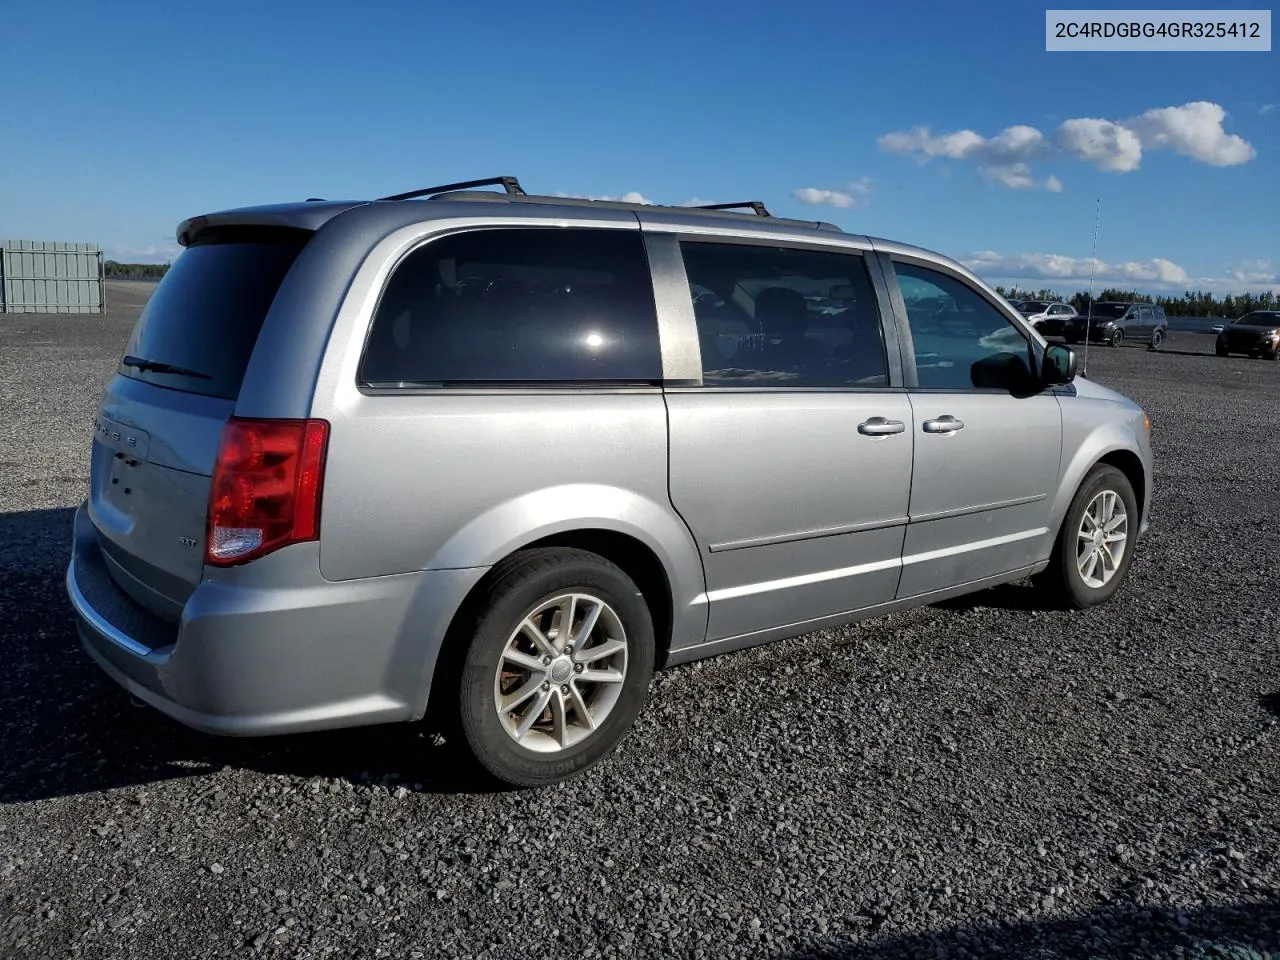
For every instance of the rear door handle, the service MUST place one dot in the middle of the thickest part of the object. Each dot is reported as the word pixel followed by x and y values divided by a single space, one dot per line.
pixel 947 424
pixel 880 427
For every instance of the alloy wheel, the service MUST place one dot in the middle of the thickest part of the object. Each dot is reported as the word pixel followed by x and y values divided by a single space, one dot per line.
pixel 561 672
pixel 1102 539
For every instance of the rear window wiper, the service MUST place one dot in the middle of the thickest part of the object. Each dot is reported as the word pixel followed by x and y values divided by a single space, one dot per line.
pixel 155 366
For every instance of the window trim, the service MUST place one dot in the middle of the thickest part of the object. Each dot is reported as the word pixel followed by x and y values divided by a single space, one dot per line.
pixel 688 320
pixel 1035 349
pixel 569 386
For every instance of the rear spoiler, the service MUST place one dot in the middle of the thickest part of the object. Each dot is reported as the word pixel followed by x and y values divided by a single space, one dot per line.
pixel 296 216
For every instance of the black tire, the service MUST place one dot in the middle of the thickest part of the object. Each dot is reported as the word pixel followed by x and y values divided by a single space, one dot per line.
pixel 517 588
pixel 1117 338
pixel 1274 354
pixel 1221 351
pixel 1061 581
pixel 1157 338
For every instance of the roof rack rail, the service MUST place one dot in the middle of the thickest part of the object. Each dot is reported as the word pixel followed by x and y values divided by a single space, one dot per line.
pixel 756 205
pixel 510 184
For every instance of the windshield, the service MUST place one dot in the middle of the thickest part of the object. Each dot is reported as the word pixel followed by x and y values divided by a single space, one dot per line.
pixel 1109 311
pixel 1259 319
pixel 1033 306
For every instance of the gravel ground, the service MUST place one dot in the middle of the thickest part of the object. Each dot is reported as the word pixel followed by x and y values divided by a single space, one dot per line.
pixel 975 779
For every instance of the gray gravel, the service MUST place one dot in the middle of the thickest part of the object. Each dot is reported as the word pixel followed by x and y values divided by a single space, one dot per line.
pixel 978 779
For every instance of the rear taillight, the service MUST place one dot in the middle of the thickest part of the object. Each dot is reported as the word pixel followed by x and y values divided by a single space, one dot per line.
pixel 266 488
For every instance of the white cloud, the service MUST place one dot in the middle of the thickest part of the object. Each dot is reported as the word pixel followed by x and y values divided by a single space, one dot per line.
pixel 853 195
pixel 1061 267
pixel 1107 145
pixel 1156 274
pixel 1000 159
pixel 956 146
pixel 817 198
pixel 631 196
pixel 1256 271
pixel 1267 108
pixel 1194 130
pixel 1017 176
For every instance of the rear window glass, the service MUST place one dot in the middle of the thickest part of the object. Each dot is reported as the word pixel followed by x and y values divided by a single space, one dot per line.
pixel 517 306
pixel 207 312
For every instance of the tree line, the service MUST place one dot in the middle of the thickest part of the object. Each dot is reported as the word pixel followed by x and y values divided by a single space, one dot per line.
pixel 113 270
pixel 1190 304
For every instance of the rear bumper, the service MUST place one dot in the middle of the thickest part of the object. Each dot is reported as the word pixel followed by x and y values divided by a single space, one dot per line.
pixel 270 647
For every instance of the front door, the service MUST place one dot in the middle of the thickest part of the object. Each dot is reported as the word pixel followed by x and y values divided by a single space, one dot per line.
pixel 987 444
pixel 791 462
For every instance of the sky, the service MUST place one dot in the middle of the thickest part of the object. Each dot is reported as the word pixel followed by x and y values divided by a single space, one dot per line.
pixel 944 125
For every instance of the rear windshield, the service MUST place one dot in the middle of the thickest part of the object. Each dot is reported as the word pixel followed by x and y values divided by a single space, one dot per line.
pixel 205 315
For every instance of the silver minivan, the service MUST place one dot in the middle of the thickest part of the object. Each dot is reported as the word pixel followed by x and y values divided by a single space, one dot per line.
pixel 504 455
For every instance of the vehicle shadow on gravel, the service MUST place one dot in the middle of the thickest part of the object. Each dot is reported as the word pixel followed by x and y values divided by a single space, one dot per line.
pixel 1234 932
pixel 1021 597
pixel 67 729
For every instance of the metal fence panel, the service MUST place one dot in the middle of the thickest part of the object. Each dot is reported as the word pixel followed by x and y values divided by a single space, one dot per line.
pixel 38 276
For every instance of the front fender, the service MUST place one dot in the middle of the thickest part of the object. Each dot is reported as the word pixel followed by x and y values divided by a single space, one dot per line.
pixel 1091 431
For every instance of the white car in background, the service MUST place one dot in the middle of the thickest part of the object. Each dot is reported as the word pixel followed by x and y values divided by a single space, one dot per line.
pixel 1046 316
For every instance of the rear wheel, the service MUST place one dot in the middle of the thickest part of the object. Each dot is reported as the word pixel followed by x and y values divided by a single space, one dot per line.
pixel 1095 545
pixel 558 666
pixel 1157 338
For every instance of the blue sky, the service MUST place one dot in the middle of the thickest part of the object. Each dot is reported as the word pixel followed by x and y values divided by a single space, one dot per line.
pixel 117 125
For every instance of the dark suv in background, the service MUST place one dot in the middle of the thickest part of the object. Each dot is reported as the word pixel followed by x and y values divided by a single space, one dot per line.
pixel 1256 334
pixel 1112 322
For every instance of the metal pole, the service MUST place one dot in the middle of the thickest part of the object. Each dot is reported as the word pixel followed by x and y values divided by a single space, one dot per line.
pixel 1093 259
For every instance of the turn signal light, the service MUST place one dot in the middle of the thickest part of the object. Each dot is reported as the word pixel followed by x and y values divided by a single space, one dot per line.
pixel 266 488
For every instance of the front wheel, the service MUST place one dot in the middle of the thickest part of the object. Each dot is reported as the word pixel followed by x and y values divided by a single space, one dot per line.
pixel 1095 545
pixel 1117 337
pixel 558 667
pixel 1221 350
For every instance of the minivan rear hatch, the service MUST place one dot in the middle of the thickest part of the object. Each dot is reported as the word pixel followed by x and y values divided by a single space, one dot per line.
pixel 161 419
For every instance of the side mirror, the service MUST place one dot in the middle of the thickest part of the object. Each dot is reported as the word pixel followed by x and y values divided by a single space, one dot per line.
pixel 1004 371
pixel 1059 364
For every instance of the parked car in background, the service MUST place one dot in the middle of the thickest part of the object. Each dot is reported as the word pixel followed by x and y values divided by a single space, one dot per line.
pixel 1112 322
pixel 1256 334
pixel 1049 317
pixel 506 455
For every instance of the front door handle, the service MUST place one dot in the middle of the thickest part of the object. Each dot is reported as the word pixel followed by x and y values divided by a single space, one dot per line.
pixel 947 424
pixel 880 427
